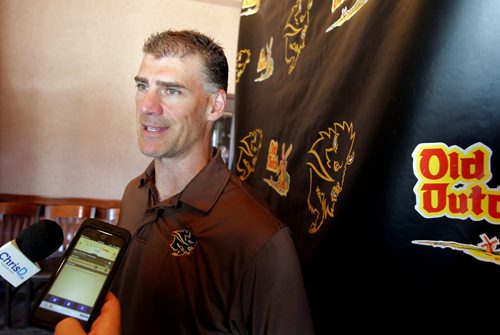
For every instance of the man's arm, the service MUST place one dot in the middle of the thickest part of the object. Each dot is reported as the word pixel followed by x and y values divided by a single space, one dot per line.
pixel 273 298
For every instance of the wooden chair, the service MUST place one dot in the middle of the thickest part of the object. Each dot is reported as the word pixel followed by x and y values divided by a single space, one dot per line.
pixel 69 217
pixel 14 218
pixel 109 215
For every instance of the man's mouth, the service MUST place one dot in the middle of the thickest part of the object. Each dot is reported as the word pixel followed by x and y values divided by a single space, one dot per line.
pixel 152 129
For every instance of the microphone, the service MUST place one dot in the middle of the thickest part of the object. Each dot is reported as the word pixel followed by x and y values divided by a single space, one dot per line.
pixel 18 257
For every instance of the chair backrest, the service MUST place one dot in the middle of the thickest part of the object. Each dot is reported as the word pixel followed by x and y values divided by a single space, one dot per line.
pixel 15 217
pixel 69 217
pixel 109 215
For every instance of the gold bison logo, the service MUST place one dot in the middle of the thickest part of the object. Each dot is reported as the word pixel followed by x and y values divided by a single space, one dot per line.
pixel 242 60
pixel 249 148
pixel 295 32
pixel 183 242
pixel 332 154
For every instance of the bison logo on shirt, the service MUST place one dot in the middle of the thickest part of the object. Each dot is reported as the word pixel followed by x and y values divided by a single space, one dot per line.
pixel 183 242
pixel 332 154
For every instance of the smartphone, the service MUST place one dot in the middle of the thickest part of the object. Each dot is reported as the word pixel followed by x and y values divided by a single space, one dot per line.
pixel 79 285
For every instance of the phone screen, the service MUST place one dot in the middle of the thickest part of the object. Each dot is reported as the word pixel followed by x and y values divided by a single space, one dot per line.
pixel 82 277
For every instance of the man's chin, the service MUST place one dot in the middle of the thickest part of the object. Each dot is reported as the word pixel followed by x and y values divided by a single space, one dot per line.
pixel 155 153
pixel 151 153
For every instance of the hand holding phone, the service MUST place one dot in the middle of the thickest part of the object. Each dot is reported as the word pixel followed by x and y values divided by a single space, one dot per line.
pixel 79 286
pixel 107 323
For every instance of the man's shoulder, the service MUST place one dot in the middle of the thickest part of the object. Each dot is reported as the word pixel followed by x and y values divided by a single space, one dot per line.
pixel 252 203
pixel 133 187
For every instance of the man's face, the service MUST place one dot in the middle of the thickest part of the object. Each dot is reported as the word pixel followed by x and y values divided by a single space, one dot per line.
pixel 171 106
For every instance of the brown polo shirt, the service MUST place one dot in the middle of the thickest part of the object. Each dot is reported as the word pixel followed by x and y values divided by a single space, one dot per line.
pixel 210 260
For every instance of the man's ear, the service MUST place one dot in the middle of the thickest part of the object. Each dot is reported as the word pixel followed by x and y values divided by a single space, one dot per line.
pixel 218 103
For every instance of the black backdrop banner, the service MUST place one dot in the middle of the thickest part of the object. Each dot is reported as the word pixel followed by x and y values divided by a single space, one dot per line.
pixel 373 128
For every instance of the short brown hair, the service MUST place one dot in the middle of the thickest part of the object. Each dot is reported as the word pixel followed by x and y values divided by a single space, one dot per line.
pixel 190 42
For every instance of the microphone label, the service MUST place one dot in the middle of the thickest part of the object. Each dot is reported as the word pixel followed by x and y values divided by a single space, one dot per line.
pixel 15 267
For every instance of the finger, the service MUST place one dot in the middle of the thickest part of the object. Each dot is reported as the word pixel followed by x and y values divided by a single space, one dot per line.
pixel 108 322
pixel 69 326
pixel 111 307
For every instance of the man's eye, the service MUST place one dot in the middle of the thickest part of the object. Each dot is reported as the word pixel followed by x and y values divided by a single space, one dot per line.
pixel 141 86
pixel 169 91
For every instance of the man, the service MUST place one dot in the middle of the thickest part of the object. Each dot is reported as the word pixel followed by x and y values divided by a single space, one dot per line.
pixel 207 256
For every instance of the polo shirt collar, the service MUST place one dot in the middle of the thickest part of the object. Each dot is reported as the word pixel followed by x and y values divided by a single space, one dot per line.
pixel 203 190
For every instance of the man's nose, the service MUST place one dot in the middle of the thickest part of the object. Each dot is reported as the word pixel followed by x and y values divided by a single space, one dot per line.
pixel 150 103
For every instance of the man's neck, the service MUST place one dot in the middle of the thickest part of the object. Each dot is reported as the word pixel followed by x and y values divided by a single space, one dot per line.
pixel 173 174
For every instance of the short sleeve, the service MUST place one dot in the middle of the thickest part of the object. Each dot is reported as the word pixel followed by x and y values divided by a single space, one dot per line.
pixel 272 297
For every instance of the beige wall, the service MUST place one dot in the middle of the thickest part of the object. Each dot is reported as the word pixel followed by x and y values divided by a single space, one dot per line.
pixel 67 122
